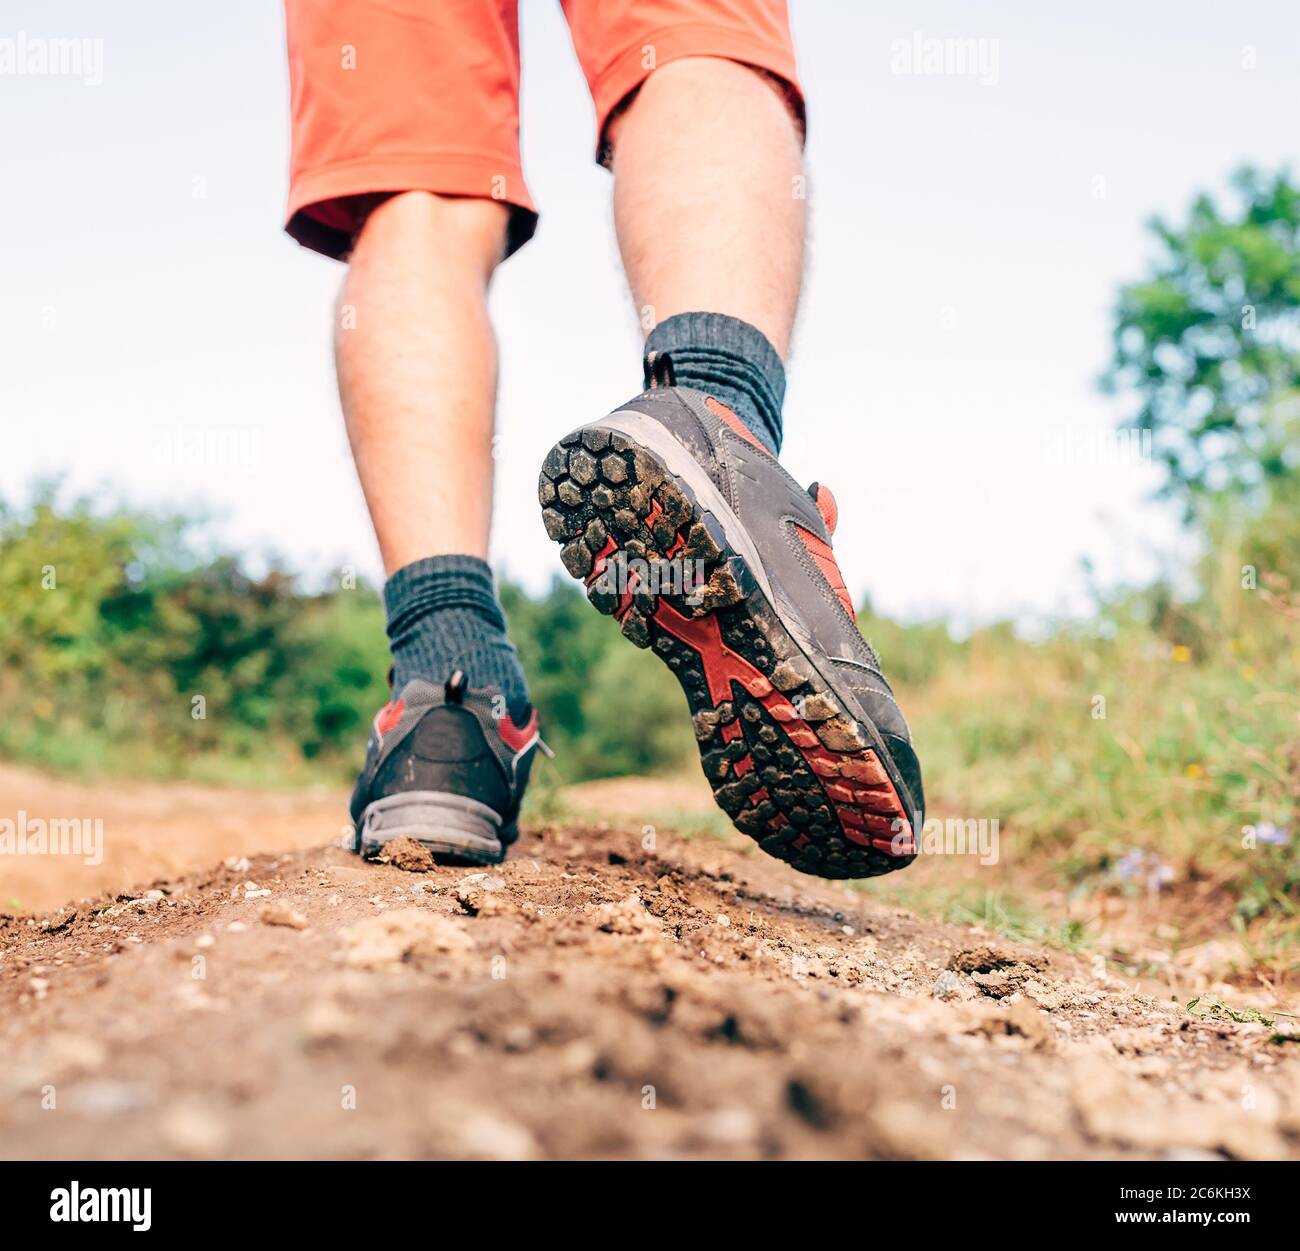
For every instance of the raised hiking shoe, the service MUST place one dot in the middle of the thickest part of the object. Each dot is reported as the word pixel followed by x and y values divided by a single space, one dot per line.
pixel 446 766
pixel 690 534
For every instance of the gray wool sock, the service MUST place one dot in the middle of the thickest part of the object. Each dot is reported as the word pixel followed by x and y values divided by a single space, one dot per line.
pixel 730 360
pixel 443 615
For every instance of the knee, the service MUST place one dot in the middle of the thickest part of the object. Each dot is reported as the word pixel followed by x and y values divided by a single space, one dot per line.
pixel 461 227
pixel 712 87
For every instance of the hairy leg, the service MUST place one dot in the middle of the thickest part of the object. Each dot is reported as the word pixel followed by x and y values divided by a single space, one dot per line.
pixel 708 196
pixel 416 363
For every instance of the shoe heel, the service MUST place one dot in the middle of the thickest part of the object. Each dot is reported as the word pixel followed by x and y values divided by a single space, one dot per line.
pixel 455 828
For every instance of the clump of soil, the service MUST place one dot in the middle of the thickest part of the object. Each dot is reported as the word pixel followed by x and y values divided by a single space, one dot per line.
pixel 407 854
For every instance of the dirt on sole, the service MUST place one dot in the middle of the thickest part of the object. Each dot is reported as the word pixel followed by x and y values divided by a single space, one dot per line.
pixel 594 996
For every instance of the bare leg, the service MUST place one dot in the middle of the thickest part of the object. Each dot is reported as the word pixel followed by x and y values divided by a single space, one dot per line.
pixel 708 196
pixel 417 372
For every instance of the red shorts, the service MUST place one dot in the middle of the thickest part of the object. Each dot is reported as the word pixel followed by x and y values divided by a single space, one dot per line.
pixel 423 95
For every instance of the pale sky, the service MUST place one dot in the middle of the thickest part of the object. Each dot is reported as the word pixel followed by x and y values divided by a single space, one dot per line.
pixel 165 343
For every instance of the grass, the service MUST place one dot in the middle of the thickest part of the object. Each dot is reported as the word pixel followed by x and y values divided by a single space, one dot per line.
pixel 1154 753
pixel 1008 913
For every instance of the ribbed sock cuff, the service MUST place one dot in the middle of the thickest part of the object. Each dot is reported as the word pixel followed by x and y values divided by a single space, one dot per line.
pixel 437 583
pixel 732 361
pixel 443 615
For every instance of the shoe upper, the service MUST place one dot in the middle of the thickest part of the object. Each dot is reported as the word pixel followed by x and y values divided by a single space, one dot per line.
pixel 450 740
pixel 792 528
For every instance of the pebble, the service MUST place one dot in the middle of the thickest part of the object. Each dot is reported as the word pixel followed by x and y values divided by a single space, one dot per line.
pixel 107 1098
pixel 73 1053
pixel 483 881
pixel 194 1130
pixel 283 914
pixel 485 1136
pixel 326 1020
pixel 519 1038
pixel 391 937
pixel 729 1127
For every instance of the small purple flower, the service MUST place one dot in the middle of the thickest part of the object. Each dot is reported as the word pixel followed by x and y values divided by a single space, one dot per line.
pixel 1275 835
pixel 1146 868
pixel 1130 865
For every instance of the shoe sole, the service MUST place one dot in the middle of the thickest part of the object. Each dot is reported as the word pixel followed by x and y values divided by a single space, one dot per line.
pixel 455 829
pixel 789 761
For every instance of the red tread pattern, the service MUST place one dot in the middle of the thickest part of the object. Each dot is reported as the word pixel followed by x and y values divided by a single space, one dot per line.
pixel 722 666
pixel 854 790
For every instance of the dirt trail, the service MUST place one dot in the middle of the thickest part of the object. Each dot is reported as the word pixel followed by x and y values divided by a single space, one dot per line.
pixel 151 829
pixel 591 997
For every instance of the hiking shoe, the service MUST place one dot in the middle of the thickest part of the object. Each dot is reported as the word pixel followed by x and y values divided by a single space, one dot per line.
pixel 687 531
pixel 446 766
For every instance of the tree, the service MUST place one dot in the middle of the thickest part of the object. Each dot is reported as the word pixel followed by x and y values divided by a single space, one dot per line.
pixel 1210 341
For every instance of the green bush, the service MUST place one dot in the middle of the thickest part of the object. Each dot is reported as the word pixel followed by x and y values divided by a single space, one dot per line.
pixel 127 648
pixel 606 708
pixel 131 647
